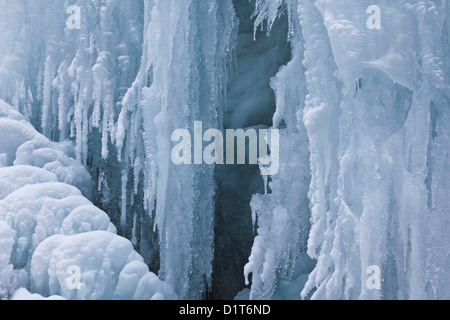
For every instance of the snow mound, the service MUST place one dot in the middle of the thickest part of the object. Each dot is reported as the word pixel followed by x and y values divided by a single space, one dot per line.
pixel 7 112
pixel 21 144
pixel 38 211
pixel 14 134
pixel 24 294
pixel 106 267
pixel 87 218
pixel 52 157
pixel 14 178
pixel 136 283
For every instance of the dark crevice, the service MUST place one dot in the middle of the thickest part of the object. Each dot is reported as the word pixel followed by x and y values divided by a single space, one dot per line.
pixel 250 103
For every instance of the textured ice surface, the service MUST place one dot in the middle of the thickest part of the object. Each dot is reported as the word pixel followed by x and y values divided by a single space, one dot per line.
pixel 374 115
pixel 363 113
pixel 47 226
pixel 14 178
pixel 24 294
pixel 109 269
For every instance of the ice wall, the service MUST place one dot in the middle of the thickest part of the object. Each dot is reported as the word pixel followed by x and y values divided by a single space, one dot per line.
pixel 118 87
pixel 69 83
pixel 281 214
pixel 375 103
pixel 383 212
pixel 362 113
pixel 187 54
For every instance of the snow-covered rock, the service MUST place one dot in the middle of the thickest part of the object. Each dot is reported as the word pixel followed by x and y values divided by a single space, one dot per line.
pixel 24 294
pixel 48 225
pixel 108 267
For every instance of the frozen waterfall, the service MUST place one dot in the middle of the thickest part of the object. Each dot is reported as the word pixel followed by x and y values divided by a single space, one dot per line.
pixel 91 93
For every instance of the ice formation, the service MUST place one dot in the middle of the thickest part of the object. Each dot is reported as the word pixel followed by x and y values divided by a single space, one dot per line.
pixel 48 226
pixel 361 101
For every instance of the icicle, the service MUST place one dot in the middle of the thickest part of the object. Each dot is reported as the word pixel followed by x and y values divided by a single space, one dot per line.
pixel 173 70
pixel 123 209
pixel 282 221
pixel 46 99
pixel 320 110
